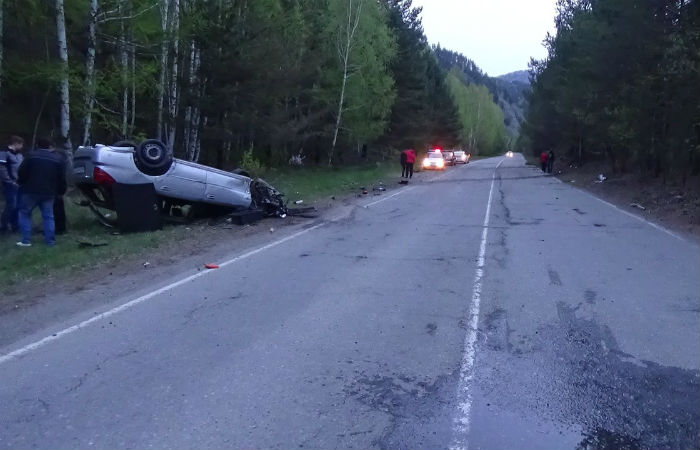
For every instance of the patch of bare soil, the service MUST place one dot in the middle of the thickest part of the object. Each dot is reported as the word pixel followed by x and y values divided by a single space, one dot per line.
pixel 670 204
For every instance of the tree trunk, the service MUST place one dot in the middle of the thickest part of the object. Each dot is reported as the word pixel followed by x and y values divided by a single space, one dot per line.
pixel 124 63
pixel 344 49
pixel 2 46
pixel 173 94
pixel 90 72
pixel 133 88
pixel 64 82
pixel 164 13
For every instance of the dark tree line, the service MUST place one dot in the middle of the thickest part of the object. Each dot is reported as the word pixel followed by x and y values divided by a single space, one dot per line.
pixel 622 82
pixel 224 80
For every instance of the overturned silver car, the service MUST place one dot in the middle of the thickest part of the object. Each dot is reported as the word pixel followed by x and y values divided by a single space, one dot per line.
pixel 139 180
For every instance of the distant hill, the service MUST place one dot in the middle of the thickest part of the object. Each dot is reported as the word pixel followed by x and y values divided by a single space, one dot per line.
pixel 520 76
pixel 509 90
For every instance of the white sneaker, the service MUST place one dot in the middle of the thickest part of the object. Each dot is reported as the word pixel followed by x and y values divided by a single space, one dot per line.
pixel 24 244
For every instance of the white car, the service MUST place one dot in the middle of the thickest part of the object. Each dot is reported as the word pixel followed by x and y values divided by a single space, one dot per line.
pixel 98 171
pixel 434 161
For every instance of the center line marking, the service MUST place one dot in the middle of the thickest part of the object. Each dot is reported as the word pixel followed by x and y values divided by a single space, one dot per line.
pixel 462 421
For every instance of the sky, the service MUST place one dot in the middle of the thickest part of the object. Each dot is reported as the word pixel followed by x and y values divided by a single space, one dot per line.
pixel 500 36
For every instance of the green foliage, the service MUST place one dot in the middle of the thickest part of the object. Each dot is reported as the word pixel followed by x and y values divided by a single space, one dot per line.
pixel 251 163
pixel 621 81
pixel 481 120
pixel 267 76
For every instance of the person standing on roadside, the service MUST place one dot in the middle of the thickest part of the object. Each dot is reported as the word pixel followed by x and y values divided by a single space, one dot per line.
pixel 550 161
pixel 410 160
pixel 543 161
pixel 41 176
pixel 59 208
pixel 10 160
pixel 404 156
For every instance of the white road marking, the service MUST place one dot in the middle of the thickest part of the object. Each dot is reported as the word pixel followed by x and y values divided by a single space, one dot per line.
pixel 40 343
pixel 391 196
pixel 634 216
pixel 462 421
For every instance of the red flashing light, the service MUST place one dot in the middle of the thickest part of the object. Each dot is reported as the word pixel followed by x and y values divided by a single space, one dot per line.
pixel 437 149
pixel 99 176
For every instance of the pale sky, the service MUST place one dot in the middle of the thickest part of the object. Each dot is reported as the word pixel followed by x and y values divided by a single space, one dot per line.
pixel 500 36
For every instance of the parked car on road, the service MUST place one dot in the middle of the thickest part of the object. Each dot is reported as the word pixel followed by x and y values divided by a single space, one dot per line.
pixel 434 161
pixel 461 157
pixel 99 170
pixel 449 156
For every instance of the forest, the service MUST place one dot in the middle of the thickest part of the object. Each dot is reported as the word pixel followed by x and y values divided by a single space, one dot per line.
pixel 620 83
pixel 229 81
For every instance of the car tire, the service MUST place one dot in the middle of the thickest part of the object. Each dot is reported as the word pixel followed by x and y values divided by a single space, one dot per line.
pixel 153 157
pixel 241 172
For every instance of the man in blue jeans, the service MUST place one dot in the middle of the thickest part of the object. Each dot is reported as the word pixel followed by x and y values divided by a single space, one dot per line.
pixel 10 160
pixel 42 176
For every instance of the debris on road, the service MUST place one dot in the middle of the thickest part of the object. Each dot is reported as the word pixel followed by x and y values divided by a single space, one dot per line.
pixel 211 266
pixel 637 205
pixel 87 243
pixel 601 178
pixel 146 265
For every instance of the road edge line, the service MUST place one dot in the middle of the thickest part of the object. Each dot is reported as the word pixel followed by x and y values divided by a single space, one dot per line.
pixel 66 331
pixel 462 422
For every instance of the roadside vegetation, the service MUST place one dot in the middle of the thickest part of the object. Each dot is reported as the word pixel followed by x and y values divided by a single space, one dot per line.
pixel 342 85
pixel 622 90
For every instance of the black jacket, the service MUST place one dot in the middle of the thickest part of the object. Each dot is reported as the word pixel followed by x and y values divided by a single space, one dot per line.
pixel 43 173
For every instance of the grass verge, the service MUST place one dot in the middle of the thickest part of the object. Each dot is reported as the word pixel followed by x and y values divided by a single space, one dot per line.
pixel 21 265
pixel 314 183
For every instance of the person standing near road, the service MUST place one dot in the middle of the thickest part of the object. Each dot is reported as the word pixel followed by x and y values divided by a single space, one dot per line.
pixel 10 160
pixel 404 156
pixel 550 161
pixel 59 208
pixel 543 161
pixel 410 160
pixel 41 176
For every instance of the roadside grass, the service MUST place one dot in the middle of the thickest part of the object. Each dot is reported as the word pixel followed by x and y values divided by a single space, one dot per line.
pixel 314 183
pixel 68 256
pixel 79 248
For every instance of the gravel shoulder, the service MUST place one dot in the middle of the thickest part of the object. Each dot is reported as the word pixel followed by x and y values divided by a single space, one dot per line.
pixel 668 204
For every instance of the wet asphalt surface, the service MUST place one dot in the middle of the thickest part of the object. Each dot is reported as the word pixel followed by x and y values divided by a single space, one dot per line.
pixel 352 335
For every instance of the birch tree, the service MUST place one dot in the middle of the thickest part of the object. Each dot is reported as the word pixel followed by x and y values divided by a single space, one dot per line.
pixel 64 78
pixel 124 65
pixel 346 40
pixel 173 82
pixel 163 76
pixel 89 100
pixel 2 46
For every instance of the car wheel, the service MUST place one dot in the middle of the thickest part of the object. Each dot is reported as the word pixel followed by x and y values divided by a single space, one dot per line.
pixel 152 157
pixel 241 172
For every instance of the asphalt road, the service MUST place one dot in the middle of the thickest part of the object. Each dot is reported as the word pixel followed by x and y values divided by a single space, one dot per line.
pixel 356 332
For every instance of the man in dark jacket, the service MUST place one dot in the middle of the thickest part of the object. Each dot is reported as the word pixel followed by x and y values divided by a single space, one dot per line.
pixel 42 176
pixel 550 161
pixel 10 160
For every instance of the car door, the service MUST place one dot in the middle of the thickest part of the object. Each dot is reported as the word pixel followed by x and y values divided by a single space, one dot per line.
pixel 184 181
pixel 227 189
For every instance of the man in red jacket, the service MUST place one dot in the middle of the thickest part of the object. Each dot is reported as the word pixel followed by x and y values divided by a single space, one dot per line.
pixel 410 160
pixel 543 160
